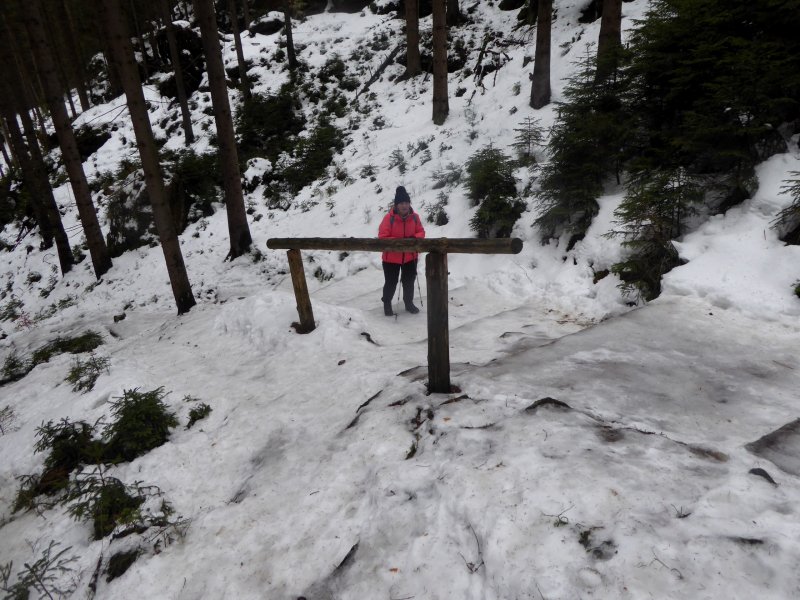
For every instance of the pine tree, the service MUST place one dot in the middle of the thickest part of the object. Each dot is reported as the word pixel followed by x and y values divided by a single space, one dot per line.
pixel 441 105
pixel 586 147
pixel 101 260
pixel 413 62
pixel 530 135
pixel 244 82
pixel 148 151
pixel 788 220
pixel 654 212
pixel 174 57
pixel 238 229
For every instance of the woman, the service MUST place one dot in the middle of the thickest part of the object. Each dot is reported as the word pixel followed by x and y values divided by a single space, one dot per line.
pixel 401 222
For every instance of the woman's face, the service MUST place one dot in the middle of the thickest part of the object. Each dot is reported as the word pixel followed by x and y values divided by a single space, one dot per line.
pixel 403 208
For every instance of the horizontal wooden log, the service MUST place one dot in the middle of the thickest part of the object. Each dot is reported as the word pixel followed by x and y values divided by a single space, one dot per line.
pixel 444 245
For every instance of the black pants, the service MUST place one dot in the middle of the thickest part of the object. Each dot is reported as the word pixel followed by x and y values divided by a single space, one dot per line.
pixel 390 273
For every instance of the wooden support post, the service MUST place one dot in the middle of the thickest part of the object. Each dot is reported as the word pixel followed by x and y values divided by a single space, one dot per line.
pixel 438 330
pixel 306 324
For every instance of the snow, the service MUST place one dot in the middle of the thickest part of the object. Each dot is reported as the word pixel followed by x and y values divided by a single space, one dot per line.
pixel 325 471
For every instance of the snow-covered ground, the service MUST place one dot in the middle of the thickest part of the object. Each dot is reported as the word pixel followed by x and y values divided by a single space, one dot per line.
pixel 594 450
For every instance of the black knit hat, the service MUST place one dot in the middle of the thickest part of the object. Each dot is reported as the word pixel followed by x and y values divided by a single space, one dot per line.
pixel 401 195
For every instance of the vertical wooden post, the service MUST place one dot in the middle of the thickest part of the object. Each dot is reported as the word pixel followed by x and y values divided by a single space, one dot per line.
pixel 438 330
pixel 301 292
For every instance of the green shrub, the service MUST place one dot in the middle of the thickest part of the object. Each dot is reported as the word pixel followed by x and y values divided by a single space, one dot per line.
pixel 15 367
pixel 142 422
pixel 435 213
pixel 398 159
pixel 69 445
pixel 7 419
pixel 586 147
pixel 11 310
pixel 86 342
pixel 105 501
pixel 490 173
pixel 496 216
pixel 84 374
pixel 194 184
pixel 449 176
pixel 47 575
pixel 788 220
pixel 265 125
pixel 530 135
pixel 201 411
pixel 313 155
pixel 653 213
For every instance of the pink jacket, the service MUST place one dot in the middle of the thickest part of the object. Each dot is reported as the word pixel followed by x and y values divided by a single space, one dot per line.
pixel 395 226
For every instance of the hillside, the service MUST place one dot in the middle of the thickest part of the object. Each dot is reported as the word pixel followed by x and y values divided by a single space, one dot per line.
pixel 599 446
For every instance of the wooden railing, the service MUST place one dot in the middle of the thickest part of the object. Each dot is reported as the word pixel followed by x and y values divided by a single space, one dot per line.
pixel 435 275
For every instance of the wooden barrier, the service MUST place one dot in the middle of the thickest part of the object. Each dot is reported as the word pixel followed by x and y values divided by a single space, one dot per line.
pixel 435 275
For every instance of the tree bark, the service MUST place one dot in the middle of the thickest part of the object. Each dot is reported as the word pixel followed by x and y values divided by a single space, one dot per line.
pixel 48 201
pixel 287 26
pixel 30 181
pixel 413 63
pixel 8 159
pixel 540 86
pixel 122 51
pixel 139 41
pixel 174 57
pixel 50 224
pixel 609 42
pixel 77 56
pixel 454 16
pixel 101 260
pixel 238 228
pixel 13 161
pixel 441 105
pixel 246 14
pixel 237 40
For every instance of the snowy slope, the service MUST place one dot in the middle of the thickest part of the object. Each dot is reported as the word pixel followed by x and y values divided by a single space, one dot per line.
pixel 325 471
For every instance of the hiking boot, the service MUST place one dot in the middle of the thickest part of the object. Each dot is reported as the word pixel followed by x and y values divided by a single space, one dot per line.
pixel 387 309
pixel 411 308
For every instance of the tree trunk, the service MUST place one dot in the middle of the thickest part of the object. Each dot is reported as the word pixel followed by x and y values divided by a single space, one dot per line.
pixel 139 41
pixel 174 58
pixel 114 83
pixel 609 42
pixel 101 260
pixel 50 224
pixel 48 201
pixel 9 161
pixel 287 26
pixel 122 51
pixel 77 55
pixel 237 39
pixel 246 14
pixel 238 229
pixel 413 64
pixel 60 52
pixel 441 105
pixel 454 16
pixel 540 88
pixel 30 181
pixel 13 162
